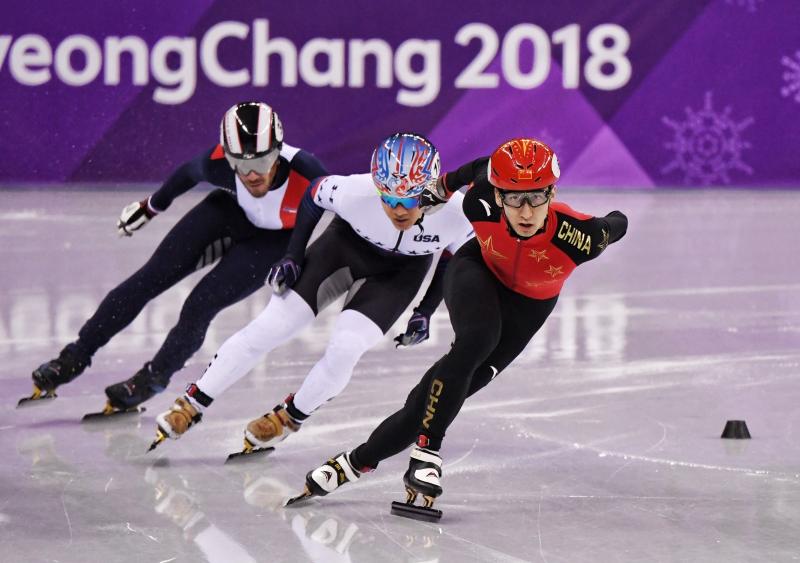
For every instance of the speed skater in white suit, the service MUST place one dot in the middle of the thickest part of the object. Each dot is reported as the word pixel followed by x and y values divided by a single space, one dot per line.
pixel 377 250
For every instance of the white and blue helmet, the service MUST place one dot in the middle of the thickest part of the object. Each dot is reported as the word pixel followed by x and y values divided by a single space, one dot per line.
pixel 403 164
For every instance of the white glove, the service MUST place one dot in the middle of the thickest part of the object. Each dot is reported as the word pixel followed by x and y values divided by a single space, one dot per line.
pixel 135 216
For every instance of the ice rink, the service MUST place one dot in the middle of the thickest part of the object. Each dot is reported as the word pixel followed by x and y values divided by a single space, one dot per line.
pixel 601 443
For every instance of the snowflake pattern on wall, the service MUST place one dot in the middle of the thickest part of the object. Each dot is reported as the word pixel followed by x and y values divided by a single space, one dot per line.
pixel 708 146
pixel 791 76
pixel 749 5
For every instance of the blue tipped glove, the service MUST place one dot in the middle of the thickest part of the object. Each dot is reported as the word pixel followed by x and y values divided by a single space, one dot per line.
pixel 283 274
pixel 416 331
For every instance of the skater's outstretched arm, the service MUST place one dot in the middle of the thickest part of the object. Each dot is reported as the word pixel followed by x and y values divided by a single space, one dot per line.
pixel 464 175
pixel 210 166
pixel 438 193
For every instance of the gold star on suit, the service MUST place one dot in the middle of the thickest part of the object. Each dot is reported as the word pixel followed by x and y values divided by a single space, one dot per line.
pixel 554 271
pixel 487 245
pixel 539 255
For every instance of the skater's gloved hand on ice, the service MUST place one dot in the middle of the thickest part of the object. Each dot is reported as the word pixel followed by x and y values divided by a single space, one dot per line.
pixel 135 216
pixel 283 274
pixel 433 197
pixel 417 330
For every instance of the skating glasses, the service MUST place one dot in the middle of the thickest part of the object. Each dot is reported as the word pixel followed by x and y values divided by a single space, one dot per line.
pixel 407 202
pixel 259 165
pixel 534 198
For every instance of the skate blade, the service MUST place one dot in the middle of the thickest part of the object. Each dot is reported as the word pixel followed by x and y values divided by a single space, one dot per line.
pixel 244 455
pixel 111 412
pixel 416 512
pixel 160 437
pixel 38 396
pixel 305 495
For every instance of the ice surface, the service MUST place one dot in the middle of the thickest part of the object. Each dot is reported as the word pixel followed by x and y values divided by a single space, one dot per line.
pixel 601 443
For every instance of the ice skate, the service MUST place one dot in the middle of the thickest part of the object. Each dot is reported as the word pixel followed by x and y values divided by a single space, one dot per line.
pixel 176 421
pixel 50 375
pixel 327 478
pixel 423 477
pixel 110 411
pixel 263 433
pixel 125 397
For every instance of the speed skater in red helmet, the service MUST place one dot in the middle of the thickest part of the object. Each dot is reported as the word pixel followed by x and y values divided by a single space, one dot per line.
pixel 499 289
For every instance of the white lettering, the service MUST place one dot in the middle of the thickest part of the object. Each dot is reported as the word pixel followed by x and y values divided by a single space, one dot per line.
pixel 541 56
pixel 614 55
pixel 137 48
pixel 209 59
pixel 428 79
pixel 184 77
pixel 359 50
pixel 473 76
pixel 333 50
pixel 5 43
pixel 263 47
pixel 570 37
pixel 31 51
pixel 93 60
pixel 322 62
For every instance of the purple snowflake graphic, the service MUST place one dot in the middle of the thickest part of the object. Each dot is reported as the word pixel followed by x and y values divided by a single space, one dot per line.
pixel 708 146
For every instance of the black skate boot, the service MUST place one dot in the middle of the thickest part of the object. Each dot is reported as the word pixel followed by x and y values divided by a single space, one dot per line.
pixel 328 477
pixel 126 396
pixel 423 476
pixel 48 376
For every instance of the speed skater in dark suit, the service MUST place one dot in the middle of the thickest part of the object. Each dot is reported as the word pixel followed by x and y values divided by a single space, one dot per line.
pixel 377 250
pixel 499 289
pixel 246 225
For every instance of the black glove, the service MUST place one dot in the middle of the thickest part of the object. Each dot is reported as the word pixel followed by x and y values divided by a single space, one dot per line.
pixel 433 197
pixel 283 274
pixel 135 216
pixel 417 330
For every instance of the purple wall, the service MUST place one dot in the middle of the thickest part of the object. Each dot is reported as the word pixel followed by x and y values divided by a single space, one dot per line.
pixel 706 93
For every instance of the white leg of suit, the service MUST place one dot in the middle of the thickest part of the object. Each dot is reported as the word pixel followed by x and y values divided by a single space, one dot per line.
pixel 353 334
pixel 283 317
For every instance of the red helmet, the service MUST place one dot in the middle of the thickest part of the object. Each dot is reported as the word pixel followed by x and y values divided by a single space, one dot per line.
pixel 523 164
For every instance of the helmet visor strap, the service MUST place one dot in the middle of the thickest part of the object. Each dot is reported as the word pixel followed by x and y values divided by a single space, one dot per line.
pixel 259 165
pixel 534 198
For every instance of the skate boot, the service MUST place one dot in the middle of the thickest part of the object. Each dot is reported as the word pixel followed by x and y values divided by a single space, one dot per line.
pixel 263 433
pixel 126 396
pixel 185 413
pixel 423 476
pixel 328 477
pixel 48 376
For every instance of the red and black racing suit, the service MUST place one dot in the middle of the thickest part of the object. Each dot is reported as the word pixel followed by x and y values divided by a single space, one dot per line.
pixel 499 289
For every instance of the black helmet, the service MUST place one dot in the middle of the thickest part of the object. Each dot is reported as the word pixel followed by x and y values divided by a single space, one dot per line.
pixel 248 132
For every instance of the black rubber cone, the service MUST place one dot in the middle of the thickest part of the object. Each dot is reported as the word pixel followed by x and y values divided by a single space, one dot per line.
pixel 736 430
